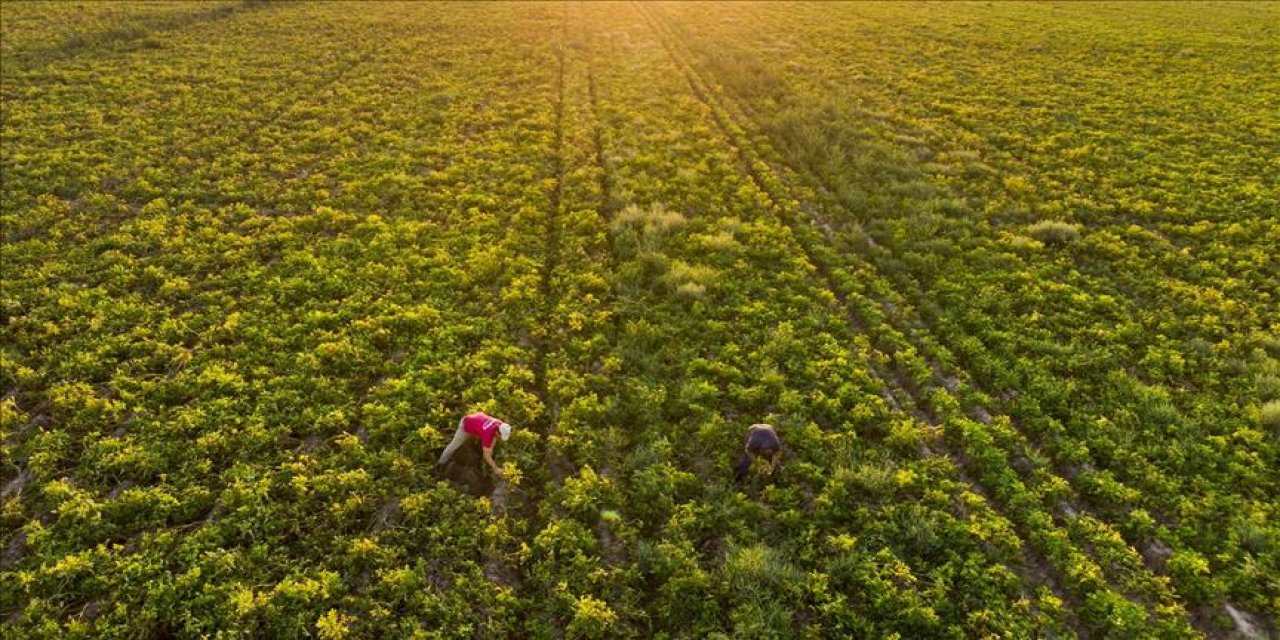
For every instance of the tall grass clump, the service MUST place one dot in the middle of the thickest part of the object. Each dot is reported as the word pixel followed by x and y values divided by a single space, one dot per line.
pixel 1269 415
pixel 1054 231
pixel 643 230
pixel 721 242
pixel 1270 345
pixel 655 219
pixel 758 572
pixel 689 280
pixel 1268 386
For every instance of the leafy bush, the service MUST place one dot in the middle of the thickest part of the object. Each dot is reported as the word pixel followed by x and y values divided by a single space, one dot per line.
pixel 592 618
pixel 234 345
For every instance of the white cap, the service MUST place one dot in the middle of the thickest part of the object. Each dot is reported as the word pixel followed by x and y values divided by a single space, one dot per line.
pixel 505 430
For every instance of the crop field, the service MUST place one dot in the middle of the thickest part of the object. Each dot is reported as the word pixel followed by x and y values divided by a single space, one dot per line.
pixel 1006 278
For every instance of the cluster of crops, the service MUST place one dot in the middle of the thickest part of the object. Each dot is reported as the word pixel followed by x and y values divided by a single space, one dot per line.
pixel 1002 275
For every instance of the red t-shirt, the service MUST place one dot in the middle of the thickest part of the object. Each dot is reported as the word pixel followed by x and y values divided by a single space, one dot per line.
pixel 483 427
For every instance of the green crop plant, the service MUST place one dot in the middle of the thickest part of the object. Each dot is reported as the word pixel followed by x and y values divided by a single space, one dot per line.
pixel 1001 275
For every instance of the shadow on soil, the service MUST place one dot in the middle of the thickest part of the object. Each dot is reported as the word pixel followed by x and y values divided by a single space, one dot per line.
pixel 466 470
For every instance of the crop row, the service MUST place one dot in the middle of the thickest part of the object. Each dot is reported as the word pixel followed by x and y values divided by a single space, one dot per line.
pixel 225 417
pixel 1091 447
pixel 723 321
pixel 34 35
pixel 256 272
pixel 931 389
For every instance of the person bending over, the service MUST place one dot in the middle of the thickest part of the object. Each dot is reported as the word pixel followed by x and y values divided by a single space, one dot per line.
pixel 479 425
pixel 763 444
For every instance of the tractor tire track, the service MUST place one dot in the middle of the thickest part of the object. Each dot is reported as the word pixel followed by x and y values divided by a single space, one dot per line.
pixel 899 391
pixel 1075 508
pixel 911 293
pixel 908 393
pixel 614 553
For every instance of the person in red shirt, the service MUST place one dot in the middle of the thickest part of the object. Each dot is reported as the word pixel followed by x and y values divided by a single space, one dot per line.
pixel 482 426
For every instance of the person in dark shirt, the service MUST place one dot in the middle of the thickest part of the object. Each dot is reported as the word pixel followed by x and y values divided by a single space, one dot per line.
pixel 762 443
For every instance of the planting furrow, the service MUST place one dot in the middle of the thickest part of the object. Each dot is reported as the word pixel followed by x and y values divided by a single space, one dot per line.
pixel 572 323
pixel 608 458
pixel 546 227
pixel 550 234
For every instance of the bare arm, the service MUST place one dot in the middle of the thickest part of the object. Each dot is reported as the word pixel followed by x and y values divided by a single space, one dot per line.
pixel 744 465
pixel 488 458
